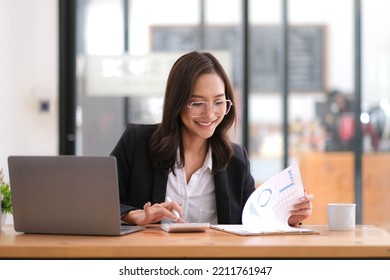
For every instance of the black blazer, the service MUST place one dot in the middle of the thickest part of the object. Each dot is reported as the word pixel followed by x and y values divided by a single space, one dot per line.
pixel 139 182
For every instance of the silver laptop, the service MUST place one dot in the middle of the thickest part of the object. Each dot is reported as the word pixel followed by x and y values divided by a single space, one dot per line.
pixel 66 195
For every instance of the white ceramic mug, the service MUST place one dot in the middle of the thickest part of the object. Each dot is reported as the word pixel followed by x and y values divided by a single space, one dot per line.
pixel 341 216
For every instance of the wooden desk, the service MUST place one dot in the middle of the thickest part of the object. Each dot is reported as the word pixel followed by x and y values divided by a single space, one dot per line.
pixel 365 242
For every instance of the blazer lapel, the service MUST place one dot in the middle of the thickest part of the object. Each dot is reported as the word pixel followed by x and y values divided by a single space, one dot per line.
pixel 159 187
pixel 222 197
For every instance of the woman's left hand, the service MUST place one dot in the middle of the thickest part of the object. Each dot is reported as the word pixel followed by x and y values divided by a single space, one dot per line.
pixel 302 210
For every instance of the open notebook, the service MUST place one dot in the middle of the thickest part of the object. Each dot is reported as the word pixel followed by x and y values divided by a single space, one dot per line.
pixel 267 210
pixel 240 230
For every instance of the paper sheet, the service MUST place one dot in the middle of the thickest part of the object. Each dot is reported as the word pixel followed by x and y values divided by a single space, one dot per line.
pixel 269 206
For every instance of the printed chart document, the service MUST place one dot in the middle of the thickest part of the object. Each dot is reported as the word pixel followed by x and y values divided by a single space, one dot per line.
pixel 267 210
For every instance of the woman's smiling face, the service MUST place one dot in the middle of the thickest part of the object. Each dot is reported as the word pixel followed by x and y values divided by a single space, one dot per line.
pixel 208 88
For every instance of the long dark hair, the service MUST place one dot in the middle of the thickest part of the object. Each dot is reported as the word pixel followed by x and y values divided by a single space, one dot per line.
pixel 181 80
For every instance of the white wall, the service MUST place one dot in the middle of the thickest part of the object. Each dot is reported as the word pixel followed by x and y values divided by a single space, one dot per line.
pixel 28 70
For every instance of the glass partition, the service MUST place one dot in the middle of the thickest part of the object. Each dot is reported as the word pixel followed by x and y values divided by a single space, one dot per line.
pixel 125 57
pixel 126 48
pixel 376 112
pixel 321 120
pixel 265 100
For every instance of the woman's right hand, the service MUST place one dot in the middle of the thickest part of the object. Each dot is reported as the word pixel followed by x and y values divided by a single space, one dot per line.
pixel 154 214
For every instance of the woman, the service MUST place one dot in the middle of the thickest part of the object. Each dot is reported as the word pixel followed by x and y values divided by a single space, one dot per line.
pixel 187 163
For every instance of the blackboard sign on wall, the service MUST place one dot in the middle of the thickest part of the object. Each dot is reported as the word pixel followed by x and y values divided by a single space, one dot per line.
pixel 306 52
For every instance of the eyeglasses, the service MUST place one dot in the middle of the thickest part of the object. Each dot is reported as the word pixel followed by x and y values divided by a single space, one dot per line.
pixel 200 108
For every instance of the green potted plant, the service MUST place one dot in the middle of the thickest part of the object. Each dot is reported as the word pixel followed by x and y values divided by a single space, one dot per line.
pixel 5 198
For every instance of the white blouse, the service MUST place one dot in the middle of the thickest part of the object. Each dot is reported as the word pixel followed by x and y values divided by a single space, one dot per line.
pixel 197 198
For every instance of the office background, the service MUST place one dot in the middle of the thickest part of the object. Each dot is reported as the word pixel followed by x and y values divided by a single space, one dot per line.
pixel 324 30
